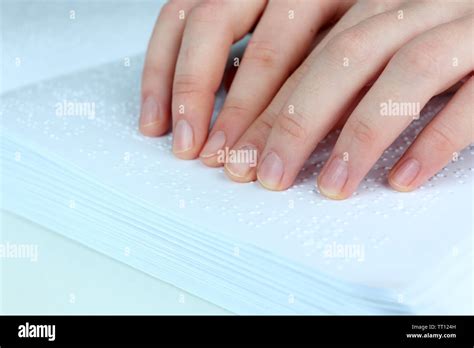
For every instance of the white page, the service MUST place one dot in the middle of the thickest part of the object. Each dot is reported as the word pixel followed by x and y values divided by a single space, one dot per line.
pixel 402 234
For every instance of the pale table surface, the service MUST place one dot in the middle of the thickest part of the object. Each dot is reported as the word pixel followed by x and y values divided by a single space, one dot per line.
pixel 69 278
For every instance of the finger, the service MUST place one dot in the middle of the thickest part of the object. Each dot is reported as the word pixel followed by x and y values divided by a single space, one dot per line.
pixel 210 30
pixel 256 135
pixel 449 132
pixel 278 44
pixel 337 75
pixel 159 67
pixel 417 72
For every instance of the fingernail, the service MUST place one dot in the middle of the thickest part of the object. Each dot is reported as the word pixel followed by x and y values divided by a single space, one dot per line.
pixel 183 138
pixel 334 178
pixel 406 173
pixel 270 171
pixel 149 113
pixel 242 168
pixel 214 144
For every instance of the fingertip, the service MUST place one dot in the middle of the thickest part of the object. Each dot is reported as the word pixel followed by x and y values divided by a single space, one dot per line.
pixel 326 193
pixel 212 150
pixel 185 155
pixel 270 171
pixel 210 161
pixel 398 187
pixel 183 140
pixel 333 178
pixel 269 185
pixel 240 162
pixel 404 175
pixel 153 122
pixel 234 176
pixel 153 129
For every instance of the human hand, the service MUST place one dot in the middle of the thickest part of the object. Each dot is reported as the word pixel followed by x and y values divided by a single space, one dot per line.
pixel 188 52
pixel 378 53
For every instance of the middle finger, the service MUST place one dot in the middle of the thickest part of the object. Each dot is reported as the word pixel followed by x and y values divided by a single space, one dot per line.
pixel 348 62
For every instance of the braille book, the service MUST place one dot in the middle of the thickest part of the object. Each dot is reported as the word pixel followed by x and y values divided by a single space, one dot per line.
pixel 74 161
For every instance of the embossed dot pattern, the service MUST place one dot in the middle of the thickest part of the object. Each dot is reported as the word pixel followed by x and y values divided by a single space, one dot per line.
pixel 108 145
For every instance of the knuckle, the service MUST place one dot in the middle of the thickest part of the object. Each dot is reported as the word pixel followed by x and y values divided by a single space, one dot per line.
pixel 171 8
pixel 419 59
pixel 235 109
pixel 440 137
pixel 187 84
pixel 292 125
pixel 208 11
pixel 353 44
pixel 263 53
pixel 262 127
pixel 363 132
pixel 372 7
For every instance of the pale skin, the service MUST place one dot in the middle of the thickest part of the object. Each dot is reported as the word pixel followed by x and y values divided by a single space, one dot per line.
pixel 311 66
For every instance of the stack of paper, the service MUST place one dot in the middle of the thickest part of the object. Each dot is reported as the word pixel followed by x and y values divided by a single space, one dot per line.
pixel 73 161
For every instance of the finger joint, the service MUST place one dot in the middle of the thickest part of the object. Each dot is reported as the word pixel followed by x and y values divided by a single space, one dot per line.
pixel 292 125
pixel 363 132
pixel 264 53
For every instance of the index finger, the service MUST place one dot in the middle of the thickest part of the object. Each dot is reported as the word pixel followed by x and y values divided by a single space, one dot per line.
pixel 211 29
